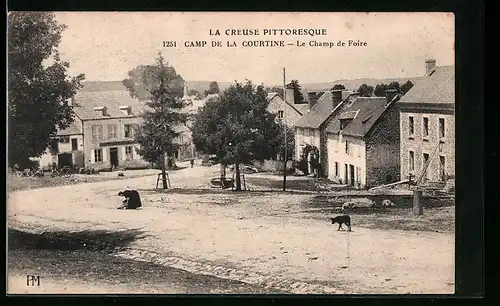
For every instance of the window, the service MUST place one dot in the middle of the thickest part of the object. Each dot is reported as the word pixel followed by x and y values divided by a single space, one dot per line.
pixel 280 114
pixel 128 130
pixel 111 131
pixel 74 144
pixel 346 147
pixel 441 127
pixel 64 139
pixel 98 155
pixel 426 127
pixel 411 128
pixel 426 160
pixel 412 161
pixel 306 132
pixel 129 111
pixel 96 132
pixel 442 172
pixel 336 169
pixel 344 123
pixel 129 152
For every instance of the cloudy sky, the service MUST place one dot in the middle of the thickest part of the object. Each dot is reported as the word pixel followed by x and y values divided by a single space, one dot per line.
pixel 105 46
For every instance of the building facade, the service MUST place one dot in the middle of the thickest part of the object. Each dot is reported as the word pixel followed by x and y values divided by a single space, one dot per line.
pixel 428 126
pixel 103 134
pixel 363 142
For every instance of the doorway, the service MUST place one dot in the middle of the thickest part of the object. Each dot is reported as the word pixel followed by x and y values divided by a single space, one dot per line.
pixel 351 174
pixel 113 156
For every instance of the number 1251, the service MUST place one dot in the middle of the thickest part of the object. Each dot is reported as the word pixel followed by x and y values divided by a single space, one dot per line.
pixel 169 44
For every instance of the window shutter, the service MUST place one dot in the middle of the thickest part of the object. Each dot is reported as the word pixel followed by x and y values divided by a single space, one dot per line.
pixel 92 156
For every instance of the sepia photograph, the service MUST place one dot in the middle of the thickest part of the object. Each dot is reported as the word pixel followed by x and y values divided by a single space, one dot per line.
pixel 230 153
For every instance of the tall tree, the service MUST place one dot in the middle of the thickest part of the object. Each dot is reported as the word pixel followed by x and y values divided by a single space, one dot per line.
pixel 237 127
pixel 297 92
pixel 365 90
pixel 405 87
pixel 144 78
pixel 37 92
pixel 157 132
pixel 338 87
pixel 213 88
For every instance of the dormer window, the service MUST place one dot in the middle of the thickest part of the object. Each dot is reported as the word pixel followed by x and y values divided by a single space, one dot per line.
pixel 126 110
pixel 346 118
pixel 103 110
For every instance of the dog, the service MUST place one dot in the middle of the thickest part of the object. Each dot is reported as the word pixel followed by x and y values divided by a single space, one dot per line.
pixel 344 219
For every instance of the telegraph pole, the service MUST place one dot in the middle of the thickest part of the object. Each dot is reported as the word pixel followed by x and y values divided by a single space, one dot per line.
pixel 285 130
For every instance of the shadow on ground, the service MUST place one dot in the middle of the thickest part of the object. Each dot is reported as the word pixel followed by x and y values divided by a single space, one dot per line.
pixel 97 240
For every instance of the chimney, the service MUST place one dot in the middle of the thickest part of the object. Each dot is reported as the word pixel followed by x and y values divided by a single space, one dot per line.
pixel 290 97
pixel 390 94
pixel 430 64
pixel 336 97
pixel 312 97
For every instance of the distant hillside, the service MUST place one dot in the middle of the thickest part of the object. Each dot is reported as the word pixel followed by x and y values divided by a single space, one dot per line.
pixel 354 84
pixel 201 86
pixel 93 86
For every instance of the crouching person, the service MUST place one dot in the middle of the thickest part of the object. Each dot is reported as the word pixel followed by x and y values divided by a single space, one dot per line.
pixel 131 199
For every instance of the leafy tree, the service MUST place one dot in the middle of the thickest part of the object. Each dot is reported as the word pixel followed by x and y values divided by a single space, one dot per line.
pixel 365 90
pixel 405 87
pixel 156 133
pixel 298 97
pixel 213 88
pixel 380 89
pixel 338 87
pixel 237 127
pixel 144 78
pixel 394 85
pixel 37 92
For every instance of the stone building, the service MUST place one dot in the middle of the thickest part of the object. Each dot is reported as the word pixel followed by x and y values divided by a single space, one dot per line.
pixel 428 126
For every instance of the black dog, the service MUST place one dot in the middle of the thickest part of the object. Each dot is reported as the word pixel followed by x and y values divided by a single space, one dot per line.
pixel 344 219
pixel 133 200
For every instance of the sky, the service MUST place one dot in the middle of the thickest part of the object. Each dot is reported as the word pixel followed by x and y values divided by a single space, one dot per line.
pixel 106 45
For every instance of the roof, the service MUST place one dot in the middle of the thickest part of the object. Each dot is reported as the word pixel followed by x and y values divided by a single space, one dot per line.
pixel 300 108
pixel 364 112
pixel 85 102
pixel 320 111
pixel 438 87
pixel 72 129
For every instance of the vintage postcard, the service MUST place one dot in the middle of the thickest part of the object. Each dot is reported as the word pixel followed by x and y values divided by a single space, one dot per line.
pixel 231 153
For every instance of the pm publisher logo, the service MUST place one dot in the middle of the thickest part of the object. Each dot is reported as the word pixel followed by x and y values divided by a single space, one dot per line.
pixel 33 280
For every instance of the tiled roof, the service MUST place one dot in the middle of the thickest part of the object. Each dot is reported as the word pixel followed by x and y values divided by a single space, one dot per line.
pixel 72 129
pixel 300 108
pixel 85 102
pixel 320 111
pixel 367 109
pixel 438 87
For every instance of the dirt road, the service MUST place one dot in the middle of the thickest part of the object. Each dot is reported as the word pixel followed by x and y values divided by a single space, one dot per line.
pixel 229 236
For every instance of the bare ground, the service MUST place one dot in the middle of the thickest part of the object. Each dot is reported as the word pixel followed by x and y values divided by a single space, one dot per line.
pixel 279 241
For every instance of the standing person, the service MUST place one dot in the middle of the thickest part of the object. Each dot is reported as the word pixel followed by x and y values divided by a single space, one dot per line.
pixel 192 163
pixel 132 199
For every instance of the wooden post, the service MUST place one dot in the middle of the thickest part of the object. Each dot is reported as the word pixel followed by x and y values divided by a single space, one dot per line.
pixel 417 203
